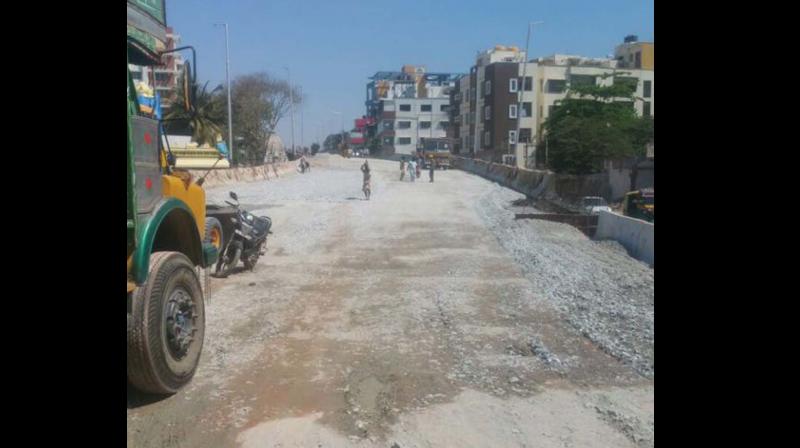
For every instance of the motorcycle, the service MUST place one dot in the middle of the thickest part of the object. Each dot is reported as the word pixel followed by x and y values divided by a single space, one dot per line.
pixel 248 242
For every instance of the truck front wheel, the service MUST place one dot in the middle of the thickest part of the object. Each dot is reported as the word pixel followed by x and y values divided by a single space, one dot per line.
pixel 167 318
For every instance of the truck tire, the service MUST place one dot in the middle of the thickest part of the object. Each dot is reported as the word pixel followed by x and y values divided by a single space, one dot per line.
pixel 213 233
pixel 165 337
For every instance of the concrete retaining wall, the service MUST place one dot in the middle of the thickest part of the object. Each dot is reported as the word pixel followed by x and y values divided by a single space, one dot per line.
pixel 560 189
pixel 636 235
pixel 243 174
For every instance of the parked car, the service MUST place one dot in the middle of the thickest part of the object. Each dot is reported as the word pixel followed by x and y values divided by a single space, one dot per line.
pixel 594 204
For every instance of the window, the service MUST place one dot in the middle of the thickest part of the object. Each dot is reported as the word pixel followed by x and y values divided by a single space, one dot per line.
pixel 512 111
pixel 444 108
pixel 425 108
pixel 512 85
pixel 583 80
pixel 528 83
pixel 638 63
pixel 136 75
pixel 556 85
pixel 541 85
pixel 465 119
pixel 466 95
pixel 527 109
pixel 444 124
pixel 487 112
pixel 646 109
pixel 512 137
pixel 525 135
pixel 424 124
pixel 388 125
pixel 403 140
pixel 387 140
pixel 488 88
pixel 403 125
pixel 487 138
pixel 405 108
pixel 648 89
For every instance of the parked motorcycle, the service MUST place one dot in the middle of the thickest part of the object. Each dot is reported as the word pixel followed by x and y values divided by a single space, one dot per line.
pixel 248 241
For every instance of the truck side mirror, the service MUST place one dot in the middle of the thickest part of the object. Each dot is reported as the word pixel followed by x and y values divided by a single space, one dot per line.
pixel 233 195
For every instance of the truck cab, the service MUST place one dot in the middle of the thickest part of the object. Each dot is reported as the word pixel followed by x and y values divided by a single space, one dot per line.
pixel 436 152
pixel 167 243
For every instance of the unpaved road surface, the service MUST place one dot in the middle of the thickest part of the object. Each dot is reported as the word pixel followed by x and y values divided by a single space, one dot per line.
pixel 425 317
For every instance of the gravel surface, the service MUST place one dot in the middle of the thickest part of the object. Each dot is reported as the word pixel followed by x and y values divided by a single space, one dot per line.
pixel 603 292
pixel 379 323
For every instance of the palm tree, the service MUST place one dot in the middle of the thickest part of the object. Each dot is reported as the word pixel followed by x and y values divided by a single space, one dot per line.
pixel 204 117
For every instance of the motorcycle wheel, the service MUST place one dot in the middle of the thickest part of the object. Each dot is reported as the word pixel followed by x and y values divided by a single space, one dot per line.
pixel 231 258
pixel 250 262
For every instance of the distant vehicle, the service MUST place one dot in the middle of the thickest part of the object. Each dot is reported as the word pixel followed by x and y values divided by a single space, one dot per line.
pixel 436 151
pixel 594 204
pixel 640 204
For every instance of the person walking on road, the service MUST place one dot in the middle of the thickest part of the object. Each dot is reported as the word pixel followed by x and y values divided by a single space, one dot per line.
pixel 418 167
pixel 412 170
pixel 366 188
pixel 402 168
pixel 431 168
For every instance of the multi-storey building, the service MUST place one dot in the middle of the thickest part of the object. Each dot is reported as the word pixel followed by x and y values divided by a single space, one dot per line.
pixel 495 97
pixel 408 105
pixel 163 78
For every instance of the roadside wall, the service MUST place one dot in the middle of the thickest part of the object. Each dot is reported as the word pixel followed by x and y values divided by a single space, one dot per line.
pixel 243 174
pixel 636 235
pixel 561 189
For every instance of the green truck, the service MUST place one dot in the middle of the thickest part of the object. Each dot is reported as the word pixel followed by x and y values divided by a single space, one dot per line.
pixel 169 239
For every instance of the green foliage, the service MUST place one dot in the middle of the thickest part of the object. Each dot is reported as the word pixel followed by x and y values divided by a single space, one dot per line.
pixel 314 148
pixel 592 124
pixel 205 121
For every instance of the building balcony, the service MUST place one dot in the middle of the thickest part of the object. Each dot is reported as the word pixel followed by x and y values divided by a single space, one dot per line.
pixel 388 115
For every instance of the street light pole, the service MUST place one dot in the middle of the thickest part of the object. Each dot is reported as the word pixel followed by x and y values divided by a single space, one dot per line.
pixel 521 90
pixel 302 146
pixel 291 104
pixel 231 156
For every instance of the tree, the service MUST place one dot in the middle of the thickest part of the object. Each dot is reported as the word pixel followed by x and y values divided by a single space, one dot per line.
pixel 314 148
pixel 592 124
pixel 205 122
pixel 259 102
pixel 332 142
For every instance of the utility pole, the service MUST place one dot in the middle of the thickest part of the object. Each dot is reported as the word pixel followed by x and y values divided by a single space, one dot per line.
pixel 231 155
pixel 291 104
pixel 521 90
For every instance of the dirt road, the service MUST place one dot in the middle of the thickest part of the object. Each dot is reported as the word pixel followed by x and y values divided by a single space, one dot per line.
pixel 410 321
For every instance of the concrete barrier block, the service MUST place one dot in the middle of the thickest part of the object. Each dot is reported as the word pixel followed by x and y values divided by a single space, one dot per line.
pixel 636 235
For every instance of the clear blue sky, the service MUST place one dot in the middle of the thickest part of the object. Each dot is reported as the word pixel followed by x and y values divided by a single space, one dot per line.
pixel 332 46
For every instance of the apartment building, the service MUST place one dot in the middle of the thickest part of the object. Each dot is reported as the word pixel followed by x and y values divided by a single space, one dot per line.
pixel 495 98
pixel 163 78
pixel 408 105
pixel 634 54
